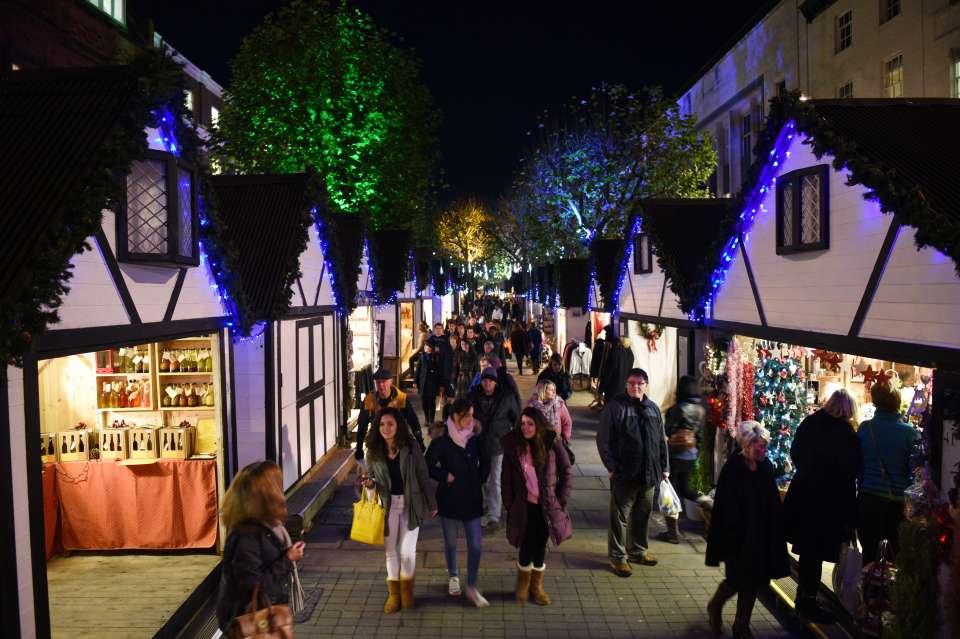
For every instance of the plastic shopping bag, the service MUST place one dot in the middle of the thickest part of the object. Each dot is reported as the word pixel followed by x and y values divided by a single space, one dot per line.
pixel 669 503
pixel 847 578
pixel 368 520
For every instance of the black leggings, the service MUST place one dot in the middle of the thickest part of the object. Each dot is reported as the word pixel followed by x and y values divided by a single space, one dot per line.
pixel 533 547
pixel 680 471
pixel 520 357
pixel 878 518
pixel 811 570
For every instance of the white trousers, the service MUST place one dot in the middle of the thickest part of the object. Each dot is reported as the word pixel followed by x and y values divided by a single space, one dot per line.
pixel 401 542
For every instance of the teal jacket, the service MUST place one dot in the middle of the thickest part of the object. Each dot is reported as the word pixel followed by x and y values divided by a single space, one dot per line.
pixel 896 441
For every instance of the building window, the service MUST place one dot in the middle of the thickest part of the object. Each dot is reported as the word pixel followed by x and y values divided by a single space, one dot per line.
pixel 642 254
pixel 844 31
pixel 746 145
pixel 158 220
pixel 889 9
pixel 955 73
pixel 893 77
pixel 214 116
pixel 845 91
pixel 803 210
pixel 188 99
pixel 116 9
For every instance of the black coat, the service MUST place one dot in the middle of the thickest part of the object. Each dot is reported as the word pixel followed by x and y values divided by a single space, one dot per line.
pixel 470 466
pixel 616 367
pixel 746 528
pixel 252 554
pixel 497 415
pixel 821 506
pixel 631 440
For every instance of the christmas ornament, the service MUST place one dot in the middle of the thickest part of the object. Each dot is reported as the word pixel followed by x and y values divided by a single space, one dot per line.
pixel 829 359
pixel 870 378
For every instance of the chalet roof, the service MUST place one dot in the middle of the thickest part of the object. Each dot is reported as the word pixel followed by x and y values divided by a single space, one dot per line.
pixel 913 140
pixel 56 126
pixel 266 219
pixel 687 236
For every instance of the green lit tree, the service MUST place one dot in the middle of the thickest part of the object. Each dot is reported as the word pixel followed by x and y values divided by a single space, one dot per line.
pixel 317 84
pixel 592 163
pixel 780 400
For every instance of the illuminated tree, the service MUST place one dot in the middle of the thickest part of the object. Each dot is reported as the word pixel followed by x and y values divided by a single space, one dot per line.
pixel 590 166
pixel 462 231
pixel 317 84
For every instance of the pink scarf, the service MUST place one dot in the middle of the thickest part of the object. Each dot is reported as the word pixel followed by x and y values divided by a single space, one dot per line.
pixel 459 437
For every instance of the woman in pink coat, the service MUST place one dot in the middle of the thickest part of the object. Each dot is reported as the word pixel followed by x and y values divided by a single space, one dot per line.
pixel 554 409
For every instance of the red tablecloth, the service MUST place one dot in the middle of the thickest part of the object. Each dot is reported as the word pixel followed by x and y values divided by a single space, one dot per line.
pixel 51 510
pixel 108 506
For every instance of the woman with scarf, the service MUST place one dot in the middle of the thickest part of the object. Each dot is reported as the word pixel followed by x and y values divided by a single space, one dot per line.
pixel 460 464
pixel 554 409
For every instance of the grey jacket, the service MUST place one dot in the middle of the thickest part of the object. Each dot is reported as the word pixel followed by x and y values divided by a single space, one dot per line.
pixel 418 493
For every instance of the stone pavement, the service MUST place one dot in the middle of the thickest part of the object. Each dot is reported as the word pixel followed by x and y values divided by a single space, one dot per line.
pixel 667 600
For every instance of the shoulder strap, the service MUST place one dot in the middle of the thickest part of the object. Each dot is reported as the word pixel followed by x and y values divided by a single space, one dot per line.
pixel 883 469
pixel 401 399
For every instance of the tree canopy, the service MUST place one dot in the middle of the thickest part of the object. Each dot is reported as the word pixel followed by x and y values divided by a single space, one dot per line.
pixel 318 85
pixel 462 231
pixel 590 165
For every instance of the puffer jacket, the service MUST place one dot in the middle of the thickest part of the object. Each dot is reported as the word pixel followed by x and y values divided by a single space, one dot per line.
pixel 251 555
pixel 554 477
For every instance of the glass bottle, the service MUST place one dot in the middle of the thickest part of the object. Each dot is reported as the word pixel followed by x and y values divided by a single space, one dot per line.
pixel 174 361
pixel 192 397
pixel 182 397
pixel 145 394
pixel 208 398
pixel 167 396
pixel 165 362
pixel 114 395
pixel 138 361
pixel 123 397
pixel 146 360
pixel 105 396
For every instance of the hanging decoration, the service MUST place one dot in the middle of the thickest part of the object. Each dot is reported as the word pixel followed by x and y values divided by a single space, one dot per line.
pixel 389 254
pixel 733 376
pixel 341 237
pixel 779 403
pixel 573 275
pixel 871 377
pixel 609 266
pixel 746 392
pixel 829 359
pixel 651 333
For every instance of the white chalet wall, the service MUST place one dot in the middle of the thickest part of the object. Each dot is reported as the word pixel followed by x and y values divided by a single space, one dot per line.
pixel 918 299
pixel 735 303
pixel 16 457
pixel 311 268
pixel 641 293
pixel 817 291
pixel 249 392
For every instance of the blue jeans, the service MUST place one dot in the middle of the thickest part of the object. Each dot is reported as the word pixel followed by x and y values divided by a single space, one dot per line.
pixel 474 534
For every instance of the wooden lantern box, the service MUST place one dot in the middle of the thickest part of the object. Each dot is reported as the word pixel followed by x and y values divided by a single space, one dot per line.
pixel 48 448
pixel 177 443
pixel 142 443
pixel 113 443
pixel 73 445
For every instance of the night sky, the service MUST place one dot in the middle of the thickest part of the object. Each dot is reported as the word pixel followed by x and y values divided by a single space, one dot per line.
pixel 492 66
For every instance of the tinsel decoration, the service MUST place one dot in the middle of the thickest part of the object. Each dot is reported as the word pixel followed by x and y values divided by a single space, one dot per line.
pixel 574 282
pixel 732 391
pixel 609 264
pixel 779 403
pixel 746 393
pixel 341 235
pixel 389 259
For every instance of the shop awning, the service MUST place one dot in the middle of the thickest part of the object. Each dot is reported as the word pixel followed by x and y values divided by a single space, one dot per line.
pixel 266 219
pixel 687 237
pixel 60 128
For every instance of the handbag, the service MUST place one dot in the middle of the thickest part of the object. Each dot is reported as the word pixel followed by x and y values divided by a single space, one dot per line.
pixel 368 520
pixel 681 440
pixel 272 622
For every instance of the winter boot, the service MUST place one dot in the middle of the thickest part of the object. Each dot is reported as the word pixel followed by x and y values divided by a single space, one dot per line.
pixel 672 534
pixel 715 607
pixel 809 609
pixel 523 583
pixel 406 593
pixel 540 596
pixel 393 597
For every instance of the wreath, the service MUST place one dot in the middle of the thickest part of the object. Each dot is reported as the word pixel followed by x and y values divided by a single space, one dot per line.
pixel 651 333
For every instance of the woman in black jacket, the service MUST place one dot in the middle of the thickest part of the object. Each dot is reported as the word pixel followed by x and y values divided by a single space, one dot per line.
pixel 459 463
pixel 821 505
pixel 746 529
pixel 258 550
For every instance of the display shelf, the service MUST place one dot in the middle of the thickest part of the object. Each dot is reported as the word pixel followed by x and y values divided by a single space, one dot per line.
pixel 197 374
pixel 186 409
pixel 126 375
pixel 141 409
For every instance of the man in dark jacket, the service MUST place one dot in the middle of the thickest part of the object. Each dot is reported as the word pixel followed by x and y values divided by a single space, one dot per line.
pixel 497 410
pixel 385 395
pixel 535 339
pixel 633 447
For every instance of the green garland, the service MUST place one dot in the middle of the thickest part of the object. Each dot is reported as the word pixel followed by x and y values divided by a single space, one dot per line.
pixel 154 83
pixel 915 594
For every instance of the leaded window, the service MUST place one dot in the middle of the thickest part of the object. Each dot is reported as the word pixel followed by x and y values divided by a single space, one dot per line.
pixel 844 31
pixel 157 222
pixel 893 77
pixel 803 210
pixel 642 254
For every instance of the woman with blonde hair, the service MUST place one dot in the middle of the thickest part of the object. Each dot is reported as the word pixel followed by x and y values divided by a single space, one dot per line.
pixel 258 551
pixel 746 530
pixel 554 409
pixel 821 505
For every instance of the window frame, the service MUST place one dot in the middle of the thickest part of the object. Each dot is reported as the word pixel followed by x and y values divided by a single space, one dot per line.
pixel 794 178
pixel 746 143
pixel 115 7
pixel 637 249
pixel 172 257
pixel 840 90
pixel 885 75
pixel 839 31
pixel 885 6
pixel 955 73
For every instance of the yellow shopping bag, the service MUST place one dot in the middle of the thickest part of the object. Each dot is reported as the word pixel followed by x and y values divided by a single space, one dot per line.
pixel 368 520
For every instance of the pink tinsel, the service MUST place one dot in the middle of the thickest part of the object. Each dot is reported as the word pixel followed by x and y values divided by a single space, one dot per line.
pixel 734 375
pixel 746 393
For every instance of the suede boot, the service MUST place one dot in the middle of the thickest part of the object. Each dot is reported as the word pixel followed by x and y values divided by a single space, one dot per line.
pixel 672 534
pixel 406 593
pixel 523 583
pixel 540 596
pixel 392 604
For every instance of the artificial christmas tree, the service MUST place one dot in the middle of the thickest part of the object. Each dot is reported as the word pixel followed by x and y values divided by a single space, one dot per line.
pixel 779 403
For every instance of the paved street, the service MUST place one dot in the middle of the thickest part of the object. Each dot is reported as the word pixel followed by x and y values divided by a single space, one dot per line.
pixel 667 600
